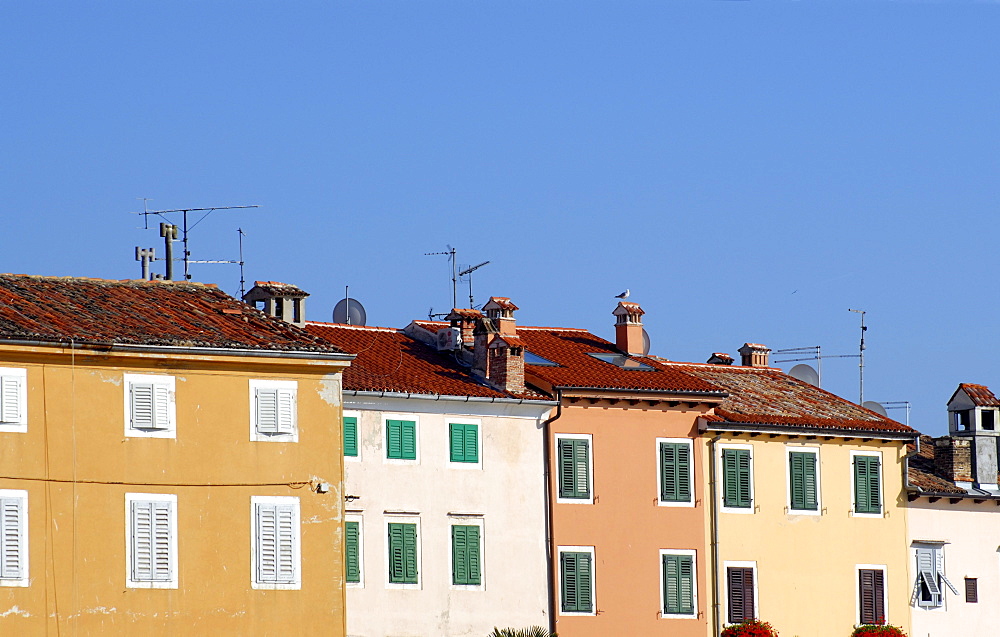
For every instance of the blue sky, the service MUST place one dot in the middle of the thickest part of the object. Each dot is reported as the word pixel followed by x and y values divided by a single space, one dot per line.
pixel 750 170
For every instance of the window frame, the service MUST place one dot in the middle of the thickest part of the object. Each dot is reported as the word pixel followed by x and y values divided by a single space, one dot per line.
pixel 857 591
pixel 161 380
pixel 24 578
pixel 560 499
pixel 466 422
pixel 467 521
pixel 593 580
pixel 854 487
pixel 415 419
pixel 21 424
pixel 402 519
pixel 350 413
pixel 693 554
pixel 255 542
pixel 815 451
pixel 359 520
pixel 130 540
pixel 256 435
pixel 752 565
pixel 749 510
pixel 659 473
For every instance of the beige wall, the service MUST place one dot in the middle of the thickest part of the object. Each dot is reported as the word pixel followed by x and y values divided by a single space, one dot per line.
pixel 807 577
pixel 77 454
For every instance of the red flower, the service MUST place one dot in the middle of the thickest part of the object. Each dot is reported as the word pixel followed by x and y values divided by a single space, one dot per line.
pixel 752 628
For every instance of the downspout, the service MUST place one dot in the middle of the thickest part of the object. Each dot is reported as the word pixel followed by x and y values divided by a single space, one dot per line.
pixel 714 508
pixel 550 549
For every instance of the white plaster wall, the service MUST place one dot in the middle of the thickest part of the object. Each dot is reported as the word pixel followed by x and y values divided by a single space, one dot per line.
pixel 972 533
pixel 507 491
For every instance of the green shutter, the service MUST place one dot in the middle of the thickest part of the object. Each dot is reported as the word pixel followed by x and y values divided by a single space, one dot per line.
pixel 464 442
pixel 802 476
pixel 675 472
pixel 401 439
pixel 350 436
pixel 403 553
pixel 574 468
pixel 472 443
pixel 393 432
pixel 678 585
pixel 576 582
pixel 352 551
pixel 867 489
pixel 736 478
pixel 465 555
pixel 409 440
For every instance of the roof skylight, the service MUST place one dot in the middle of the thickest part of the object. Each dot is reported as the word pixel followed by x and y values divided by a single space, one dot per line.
pixel 531 358
pixel 623 361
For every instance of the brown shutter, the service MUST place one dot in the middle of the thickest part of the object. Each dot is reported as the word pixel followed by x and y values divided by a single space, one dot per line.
pixel 872 595
pixel 971 590
pixel 741 599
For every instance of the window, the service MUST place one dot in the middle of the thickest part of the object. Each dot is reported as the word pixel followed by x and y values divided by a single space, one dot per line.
pixel 871 595
pixel 401 439
pixel 13 537
pixel 971 590
pixel 576 579
pixel 678 574
pixel 867 485
pixel 574 468
pixel 351 436
pixel 352 550
pixel 149 406
pixel 675 471
pixel 403 554
pixel 152 540
pixel 928 590
pixel 625 362
pixel 741 594
pixel 988 419
pixel 466 555
pixel 273 410
pixel 464 440
pixel 737 478
pixel 275 542
pixel 803 483
pixel 13 402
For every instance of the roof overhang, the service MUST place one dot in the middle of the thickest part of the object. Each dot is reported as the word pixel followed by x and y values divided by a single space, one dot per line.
pixel 799 430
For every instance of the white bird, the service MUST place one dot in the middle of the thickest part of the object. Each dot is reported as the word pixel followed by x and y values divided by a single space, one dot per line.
pixel 623 295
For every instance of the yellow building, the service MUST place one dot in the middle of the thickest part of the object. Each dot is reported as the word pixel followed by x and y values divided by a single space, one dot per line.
pixel 167 456
pixel 805 490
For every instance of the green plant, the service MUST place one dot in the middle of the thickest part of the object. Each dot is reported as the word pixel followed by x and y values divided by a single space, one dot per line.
pixel 875 630
pixel 751 628
pixel 533 631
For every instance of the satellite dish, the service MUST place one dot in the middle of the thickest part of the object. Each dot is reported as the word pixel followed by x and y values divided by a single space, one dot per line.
pixel 805 373
pixel 350 311
pixel 645 342
pixel 871 405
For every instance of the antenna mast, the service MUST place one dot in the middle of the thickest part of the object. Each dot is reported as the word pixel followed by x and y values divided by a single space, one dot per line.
pixel 861 353
pixel 454 272
pixel 468 272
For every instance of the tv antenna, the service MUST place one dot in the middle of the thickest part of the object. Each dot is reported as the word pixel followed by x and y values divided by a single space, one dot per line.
pixel 813 353
pixel 861 355
pixel 467 272
pixel 170 232
pixel 450 252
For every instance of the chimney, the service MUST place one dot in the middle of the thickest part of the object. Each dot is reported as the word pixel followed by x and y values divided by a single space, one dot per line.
pixel 464 320
pixel 500 311
pixel 953 458
pixel 628 328
pixel 506 363
pixel 754 355
pixel 279 300
pixel 482 335
pixel 720 358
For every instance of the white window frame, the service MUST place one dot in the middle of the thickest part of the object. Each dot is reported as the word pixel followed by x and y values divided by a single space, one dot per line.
pixel 22 539
pixel 275 500
pixel 21 375
pixel 590 471
pixel 720 467
pixel 693 554
pixel 881 484
pixel 357 517
pixel 171 499
pixel 659 474
pixel 857 588
pixel 756 585
pixel 403 519
pixel 157 380
pixel 353 413
pixel 386 417
pixel 792 448
pixel 473 466
pixel 593 579
pixel 477 520
pixel 258 436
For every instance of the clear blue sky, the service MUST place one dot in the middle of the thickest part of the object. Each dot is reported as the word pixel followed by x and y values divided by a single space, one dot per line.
pixel 750 170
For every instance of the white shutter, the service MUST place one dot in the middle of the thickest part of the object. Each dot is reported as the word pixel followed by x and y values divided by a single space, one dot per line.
pixel 286 544
pixel 286 409
pixel 267 410
pixel 142 405
pixel 162 540
pixel 940 569
pixel 12 538
pixel 277 543
pixel 142 541
pixel 10 398
pixel 161 406
pixel 267 543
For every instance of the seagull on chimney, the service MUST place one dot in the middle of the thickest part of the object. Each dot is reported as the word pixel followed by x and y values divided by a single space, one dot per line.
pixel 623 295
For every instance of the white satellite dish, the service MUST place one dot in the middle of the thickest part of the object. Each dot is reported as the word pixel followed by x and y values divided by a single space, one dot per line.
pixel 871 405
pixel 805 373
pixel 350 311
pixel 645 342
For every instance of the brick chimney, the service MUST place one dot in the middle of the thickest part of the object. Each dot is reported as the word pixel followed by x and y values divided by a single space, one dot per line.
pixel 483 333
pixel 628 328
pixel 497 352
pixel 279 300
pixel 720 358
pixel 465 321
pixel 754 355
pixel 506 363
pixel 500 310
pixel 953 458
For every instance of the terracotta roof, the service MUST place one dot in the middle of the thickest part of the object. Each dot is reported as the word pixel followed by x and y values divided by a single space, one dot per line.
pixel 980 395
pixel 768 396
pixel 627 307
pixel 131 312
pixel 275 288
pixel 466 313
pixel 389 360
pixel 922 472
pixel 501 302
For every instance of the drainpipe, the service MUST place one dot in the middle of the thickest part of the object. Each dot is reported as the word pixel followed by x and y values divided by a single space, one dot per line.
pixel 713 489
pixel 550 548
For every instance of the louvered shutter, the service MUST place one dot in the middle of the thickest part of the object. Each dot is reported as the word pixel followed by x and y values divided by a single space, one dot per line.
pixel 730 478
pixel 971 590
pixel 584 583
pixel 675 472
pixel 457 433
pixel 566 469
pixel 802 474
pixel 581 468
pixel 683 472
pixel 162 540
pixel 267 543
pixel 460 555
pixel 743 460
pixel 161 406
pixel 810 483
pixel 409 440
pixel 741 594
pixel 394 438
pixel 567 578
pixel 403 553
pixel 267 410
pixel 410 552
pixel 12 538
pixel 352 551
pixel 475 567
pixel 142 541
pixel 143 416
pixel 10 399
pixel 872 596
pixel 930 591
pixel 577 583
pixel 867 488
pixel 471 443
pixel 671 585
pixel 286 411
pixel 286 544
pixel 350 436
pixel 686 580
pixel 874 487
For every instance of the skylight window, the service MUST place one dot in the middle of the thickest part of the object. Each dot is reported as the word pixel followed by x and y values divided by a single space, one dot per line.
pixel 623 361
pixel 534 359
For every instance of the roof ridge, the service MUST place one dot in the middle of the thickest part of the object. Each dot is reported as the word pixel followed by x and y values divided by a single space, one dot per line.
pixel 374 328
pixel 93 279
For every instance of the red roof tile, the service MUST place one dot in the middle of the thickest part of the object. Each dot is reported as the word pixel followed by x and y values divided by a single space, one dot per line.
pixel 980 395
pixel 501 302
pixel 923 474
pixel 171 313
pixel 275 288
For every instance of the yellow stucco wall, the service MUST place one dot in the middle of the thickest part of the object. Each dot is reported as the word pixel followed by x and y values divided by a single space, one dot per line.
pixel 78 455
pixel 807 579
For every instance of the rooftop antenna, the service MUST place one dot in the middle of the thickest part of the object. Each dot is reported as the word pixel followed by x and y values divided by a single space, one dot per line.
pixel 454 269
pixel 243 291
pixel 185 229
pixel 899 404
pixel 813 353
pixel 467 272
pixel 861 355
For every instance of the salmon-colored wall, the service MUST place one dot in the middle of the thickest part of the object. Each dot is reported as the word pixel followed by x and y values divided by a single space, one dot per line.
pixel 77 545
pixel 625 525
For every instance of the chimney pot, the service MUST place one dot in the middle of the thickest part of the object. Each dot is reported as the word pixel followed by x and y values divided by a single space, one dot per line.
pixel 720 358
pixel 754 355
pixel 628 328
